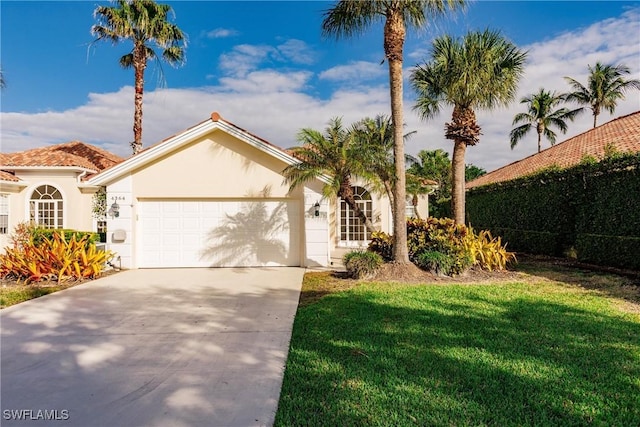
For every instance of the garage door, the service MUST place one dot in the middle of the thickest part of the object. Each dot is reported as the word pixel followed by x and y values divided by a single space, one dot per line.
pixel 219 233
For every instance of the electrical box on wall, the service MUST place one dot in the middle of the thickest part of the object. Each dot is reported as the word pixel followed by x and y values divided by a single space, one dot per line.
pixel 119 236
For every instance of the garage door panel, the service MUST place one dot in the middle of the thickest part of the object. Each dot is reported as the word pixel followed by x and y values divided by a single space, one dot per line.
pixel 219 233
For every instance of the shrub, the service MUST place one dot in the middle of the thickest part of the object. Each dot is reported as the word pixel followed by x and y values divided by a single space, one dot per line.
pixel 39 234
pixel 436 262
pixel 486 251
pixel 438 235
pixel 382 244
pixel 53 259
pixel 362 264
pixel 431 234
pixel 459 246
pixel 428 235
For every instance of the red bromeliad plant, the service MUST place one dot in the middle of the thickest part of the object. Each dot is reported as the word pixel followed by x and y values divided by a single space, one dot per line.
pixel 53 259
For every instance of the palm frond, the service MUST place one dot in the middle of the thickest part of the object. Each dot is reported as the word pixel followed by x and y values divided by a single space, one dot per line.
pixel 518 133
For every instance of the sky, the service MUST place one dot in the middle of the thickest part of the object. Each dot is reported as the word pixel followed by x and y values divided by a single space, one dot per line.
pixel 265 67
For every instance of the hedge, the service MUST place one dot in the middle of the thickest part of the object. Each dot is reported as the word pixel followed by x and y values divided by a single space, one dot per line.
pixel 554 210
pixel 615 251
pixel 531 241
pixel 40 233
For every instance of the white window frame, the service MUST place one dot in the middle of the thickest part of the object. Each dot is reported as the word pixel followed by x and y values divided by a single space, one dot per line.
pixel 4 213
pixel 46 206
pixel 349 225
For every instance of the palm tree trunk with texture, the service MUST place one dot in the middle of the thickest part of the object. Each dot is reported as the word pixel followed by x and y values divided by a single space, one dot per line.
pixel 463 130
pixel 139 64
pixel 394 36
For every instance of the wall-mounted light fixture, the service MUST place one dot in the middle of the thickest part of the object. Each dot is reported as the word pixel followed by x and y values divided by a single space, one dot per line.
pixel 114 211
pixel 316 209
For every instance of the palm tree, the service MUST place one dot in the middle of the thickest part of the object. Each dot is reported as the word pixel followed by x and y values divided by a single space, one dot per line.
pixel 417 186
pixel 542 115
pixel 472 172
pixel 434 165
pixel 3 83
pixel 145 23
pixel 334 154
pixel 605 86
pixel 375 137
pixel 348 18
pixel 479 71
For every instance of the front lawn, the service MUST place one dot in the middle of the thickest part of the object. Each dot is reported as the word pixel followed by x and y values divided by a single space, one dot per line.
pixel 15 294
pixel 534 352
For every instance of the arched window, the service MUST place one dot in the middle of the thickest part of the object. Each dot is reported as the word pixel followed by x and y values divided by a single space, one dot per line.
pixel 46 207
pixel 351 228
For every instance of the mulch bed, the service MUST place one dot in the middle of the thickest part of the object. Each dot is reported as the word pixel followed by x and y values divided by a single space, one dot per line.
pixel 392 272
pixel 6 282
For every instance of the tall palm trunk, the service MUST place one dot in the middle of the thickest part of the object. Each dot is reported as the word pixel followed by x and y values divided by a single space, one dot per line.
pixel 463 131
pixel 540 129
pixel 457 178
pixel 394 36
pixel 595 116
pixel 346 194
pixel 139 65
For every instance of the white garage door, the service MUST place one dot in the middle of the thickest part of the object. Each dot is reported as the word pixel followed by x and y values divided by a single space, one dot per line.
pixel 219 233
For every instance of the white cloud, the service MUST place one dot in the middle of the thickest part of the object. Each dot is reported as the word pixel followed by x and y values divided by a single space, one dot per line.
pixel 245 58
pixel 276 104
pixel 267 81
pixel 220 33
pixel 297 51
pixel 355 71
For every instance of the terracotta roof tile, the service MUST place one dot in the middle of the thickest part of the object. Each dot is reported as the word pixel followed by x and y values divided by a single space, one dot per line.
pixel 73 154
pixel 622 134
pixel 6 176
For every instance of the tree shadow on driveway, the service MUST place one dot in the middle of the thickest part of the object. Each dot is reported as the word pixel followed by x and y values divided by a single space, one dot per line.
pixel 153 347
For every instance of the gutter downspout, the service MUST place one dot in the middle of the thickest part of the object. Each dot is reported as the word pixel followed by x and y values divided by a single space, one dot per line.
pixel 79 177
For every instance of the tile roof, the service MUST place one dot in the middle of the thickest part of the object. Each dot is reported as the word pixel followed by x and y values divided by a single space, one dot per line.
pixel 6 176
pixel 70 154
pixel 622 133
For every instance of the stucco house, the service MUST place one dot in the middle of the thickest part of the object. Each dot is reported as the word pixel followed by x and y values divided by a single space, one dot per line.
pixel 214 196
pixel 48 186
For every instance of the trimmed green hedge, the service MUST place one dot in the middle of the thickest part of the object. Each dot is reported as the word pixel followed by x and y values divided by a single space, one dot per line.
pixel 546 212
pixel 616 251
pixel 40 233
pixel 531 241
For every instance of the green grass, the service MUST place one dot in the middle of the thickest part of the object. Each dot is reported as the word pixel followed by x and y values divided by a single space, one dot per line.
pixel 536 353
pixel 10 295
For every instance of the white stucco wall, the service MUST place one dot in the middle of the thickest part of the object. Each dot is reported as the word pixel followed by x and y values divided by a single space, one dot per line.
pixel 216 167
pixel 121 192
pixel 77 201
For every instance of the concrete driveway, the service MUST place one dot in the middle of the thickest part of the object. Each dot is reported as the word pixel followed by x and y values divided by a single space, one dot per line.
pixel 175 347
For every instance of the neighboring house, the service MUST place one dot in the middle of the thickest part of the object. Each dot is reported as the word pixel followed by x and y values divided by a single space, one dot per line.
pixel 47 186
pixel 619 135
pixel 214 195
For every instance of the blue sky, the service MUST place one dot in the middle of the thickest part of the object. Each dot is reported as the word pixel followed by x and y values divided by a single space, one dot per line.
pixel 265 67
